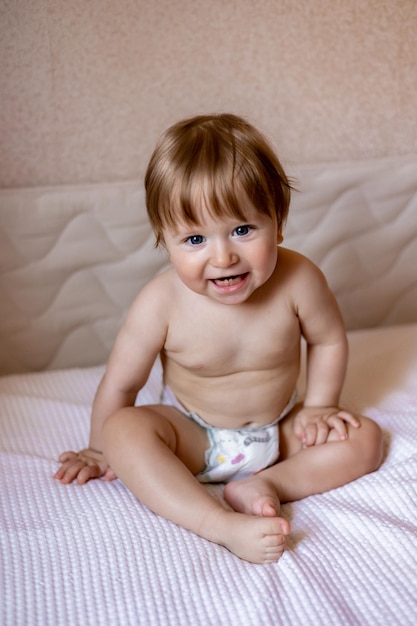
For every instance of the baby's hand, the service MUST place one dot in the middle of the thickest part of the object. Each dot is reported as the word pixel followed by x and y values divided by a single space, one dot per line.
pixel 316 425
pixel 83 466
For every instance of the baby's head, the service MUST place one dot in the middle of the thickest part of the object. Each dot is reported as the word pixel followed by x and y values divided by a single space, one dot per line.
pixel 206 163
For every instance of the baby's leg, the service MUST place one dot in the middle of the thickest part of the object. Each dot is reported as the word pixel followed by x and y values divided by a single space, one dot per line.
pixel 302 472
pixel 156 451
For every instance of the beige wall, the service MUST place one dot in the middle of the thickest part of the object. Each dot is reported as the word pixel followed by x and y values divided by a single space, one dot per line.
pixel 87 86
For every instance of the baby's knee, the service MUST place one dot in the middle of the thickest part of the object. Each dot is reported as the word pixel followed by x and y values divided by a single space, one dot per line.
pixel 369 441
pixel 117 422
pixel 139 423
pixel 115 428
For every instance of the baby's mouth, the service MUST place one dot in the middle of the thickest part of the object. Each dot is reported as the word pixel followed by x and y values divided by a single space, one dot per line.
pixel 229 281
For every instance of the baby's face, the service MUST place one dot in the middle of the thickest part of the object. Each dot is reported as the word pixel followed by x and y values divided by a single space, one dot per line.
pixel 223 258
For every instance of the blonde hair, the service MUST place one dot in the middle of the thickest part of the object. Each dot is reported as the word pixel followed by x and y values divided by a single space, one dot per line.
pixel 208 161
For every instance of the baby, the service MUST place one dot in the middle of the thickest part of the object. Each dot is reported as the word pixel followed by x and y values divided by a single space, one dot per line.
pixel 226 319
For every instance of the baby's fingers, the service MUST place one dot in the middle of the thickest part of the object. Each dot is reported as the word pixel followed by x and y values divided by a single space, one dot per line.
pixel 69 455
pixel 339 422
pixel 299 431
pixel 67 459
pixel 350 418
pixel 109 474
pixel 339 426
pixel 88 472
pixel 75 468
pixel 69 470
pixel 316 434
pixel 322 433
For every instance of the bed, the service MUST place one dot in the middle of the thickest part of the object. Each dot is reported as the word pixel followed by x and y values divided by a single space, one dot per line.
pixel 72 259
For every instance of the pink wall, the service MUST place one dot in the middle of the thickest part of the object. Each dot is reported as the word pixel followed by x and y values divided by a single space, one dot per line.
pixel 86 87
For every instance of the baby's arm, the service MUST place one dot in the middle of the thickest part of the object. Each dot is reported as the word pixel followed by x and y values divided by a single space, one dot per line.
pixel 136 347
pixel 327 355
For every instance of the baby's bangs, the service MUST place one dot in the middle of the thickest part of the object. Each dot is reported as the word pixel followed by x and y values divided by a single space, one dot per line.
pixel 217 195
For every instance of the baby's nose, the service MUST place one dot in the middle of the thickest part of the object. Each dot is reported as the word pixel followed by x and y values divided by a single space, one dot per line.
pixel 224 255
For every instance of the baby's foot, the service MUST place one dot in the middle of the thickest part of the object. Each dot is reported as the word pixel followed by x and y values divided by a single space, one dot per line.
pixel 254 496
pixel 254 539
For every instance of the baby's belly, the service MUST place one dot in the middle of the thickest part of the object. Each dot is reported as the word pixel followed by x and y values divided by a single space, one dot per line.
pixel 237 400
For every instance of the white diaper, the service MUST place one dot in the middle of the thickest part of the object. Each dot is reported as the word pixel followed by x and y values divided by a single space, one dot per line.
pixel 235 453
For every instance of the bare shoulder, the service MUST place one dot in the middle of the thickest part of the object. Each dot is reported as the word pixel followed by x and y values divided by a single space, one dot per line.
pixel 158 291
pixel 305 282
pixel 312 298
pixel 291 257
pixel 150 308
pixel 298 267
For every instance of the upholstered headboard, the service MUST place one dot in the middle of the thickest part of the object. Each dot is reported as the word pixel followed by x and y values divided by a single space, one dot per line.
pixel 86 92
pixel 73 257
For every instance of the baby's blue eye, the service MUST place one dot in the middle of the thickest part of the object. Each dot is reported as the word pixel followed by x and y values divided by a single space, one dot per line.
pixel 241 231
pixel 195 240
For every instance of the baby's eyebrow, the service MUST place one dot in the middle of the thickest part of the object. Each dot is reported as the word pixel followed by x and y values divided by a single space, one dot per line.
pixel 184 233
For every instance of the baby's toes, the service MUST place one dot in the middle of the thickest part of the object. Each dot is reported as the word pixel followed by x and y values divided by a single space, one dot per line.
pixel 274 553
pixel 273 541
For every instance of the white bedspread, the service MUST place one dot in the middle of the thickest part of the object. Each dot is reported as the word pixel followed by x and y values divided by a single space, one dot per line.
pixel 94 555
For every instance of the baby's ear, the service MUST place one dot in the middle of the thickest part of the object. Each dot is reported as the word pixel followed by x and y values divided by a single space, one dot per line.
pixel 280 237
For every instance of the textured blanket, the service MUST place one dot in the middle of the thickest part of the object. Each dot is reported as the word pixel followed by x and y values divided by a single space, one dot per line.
pixel 75 555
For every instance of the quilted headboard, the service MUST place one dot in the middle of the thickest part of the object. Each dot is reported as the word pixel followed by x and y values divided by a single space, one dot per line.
pixel 73 258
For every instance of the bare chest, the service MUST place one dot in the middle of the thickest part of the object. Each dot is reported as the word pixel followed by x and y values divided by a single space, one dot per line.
pixel 217 342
